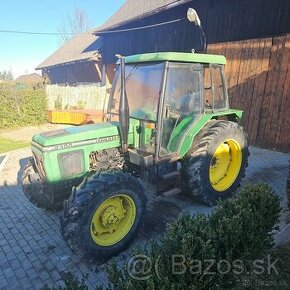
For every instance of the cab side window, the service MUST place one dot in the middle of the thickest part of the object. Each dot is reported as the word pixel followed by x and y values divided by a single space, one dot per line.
pixel 219 88
pixel 215 93
pixel 208 100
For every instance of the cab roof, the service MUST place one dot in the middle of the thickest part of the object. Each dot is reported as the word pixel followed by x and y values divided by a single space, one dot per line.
pixel 176 56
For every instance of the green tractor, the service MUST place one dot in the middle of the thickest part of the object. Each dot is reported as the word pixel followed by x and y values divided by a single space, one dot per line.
pixel 168 124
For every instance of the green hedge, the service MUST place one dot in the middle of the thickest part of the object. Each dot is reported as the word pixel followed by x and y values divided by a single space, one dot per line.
pixel 22 105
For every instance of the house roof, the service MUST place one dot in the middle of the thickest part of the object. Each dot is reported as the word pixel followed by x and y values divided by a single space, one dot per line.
pixel 135 9
pixel 34 77
pixel 81 47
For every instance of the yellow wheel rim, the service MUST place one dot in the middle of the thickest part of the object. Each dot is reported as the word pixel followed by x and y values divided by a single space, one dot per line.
pixel 113 219
pixel 225 165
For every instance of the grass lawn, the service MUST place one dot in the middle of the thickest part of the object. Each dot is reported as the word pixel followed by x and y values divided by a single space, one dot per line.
pixel 9 145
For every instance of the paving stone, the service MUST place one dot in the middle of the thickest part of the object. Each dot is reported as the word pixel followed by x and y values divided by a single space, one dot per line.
pixel 55 276
pixel 21 256
pixel 12 242
pixel 6 249
pixel 20 273
pixel 15 264
pixel 32 257
pixel 4 264
pixel 17 249
pixel 14 284
pixel 48 266
pixel 37 284
pixel 26 283
pixel 2 279
pixel 9 273
pixel 22 243
pixel 26 264
pixel 38 266
pixel 44 276
pixel 32 274
pixel 10 255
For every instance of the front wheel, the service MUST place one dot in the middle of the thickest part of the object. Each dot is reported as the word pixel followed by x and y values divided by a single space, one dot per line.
pixel 216 163
pixel 103 215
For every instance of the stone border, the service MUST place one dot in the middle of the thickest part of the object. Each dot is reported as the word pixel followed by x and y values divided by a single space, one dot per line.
pixel 4 161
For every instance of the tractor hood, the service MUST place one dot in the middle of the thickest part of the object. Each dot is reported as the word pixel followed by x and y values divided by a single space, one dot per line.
pixel 101 132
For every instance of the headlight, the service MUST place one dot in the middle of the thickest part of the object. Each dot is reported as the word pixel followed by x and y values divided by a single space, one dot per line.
pixel 71 163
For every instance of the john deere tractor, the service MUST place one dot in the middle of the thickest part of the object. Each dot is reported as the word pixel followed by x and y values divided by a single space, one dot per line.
pixel 168 119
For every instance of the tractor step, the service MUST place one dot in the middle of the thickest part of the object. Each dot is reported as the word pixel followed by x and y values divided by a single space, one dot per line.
pixel 171 175
pixel 169 184
pixel 171 192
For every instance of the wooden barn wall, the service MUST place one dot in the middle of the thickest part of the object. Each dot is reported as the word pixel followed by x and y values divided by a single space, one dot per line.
pixel 252 35
pixel 223 21
pixel 258 74
pixel 82 72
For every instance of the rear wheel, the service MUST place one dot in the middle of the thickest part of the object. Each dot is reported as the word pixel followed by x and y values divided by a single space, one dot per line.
pixel 103 215
pixel 216 163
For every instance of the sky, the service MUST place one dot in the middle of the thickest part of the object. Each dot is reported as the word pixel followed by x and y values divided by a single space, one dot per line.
pixel 21 53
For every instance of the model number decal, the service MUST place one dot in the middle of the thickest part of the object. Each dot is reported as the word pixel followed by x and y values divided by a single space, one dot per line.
pixel 107 139
pixel 98 140
pixel 87 142
pixel 63 146
pixel 82 143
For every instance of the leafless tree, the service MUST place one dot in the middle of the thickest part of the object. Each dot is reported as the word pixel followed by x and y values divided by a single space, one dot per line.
pixel 73 24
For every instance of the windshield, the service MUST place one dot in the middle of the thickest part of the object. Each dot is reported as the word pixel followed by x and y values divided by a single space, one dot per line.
pixel 143 86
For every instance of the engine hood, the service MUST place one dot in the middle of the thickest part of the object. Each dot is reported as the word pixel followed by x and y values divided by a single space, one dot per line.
pixel 77 134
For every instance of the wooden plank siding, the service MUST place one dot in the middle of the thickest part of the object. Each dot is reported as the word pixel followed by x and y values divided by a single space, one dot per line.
pixel 223 21
pixel 74 73
pixel 258 75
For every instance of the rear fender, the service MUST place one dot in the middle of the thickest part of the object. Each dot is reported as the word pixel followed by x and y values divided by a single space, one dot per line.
pixel 197 126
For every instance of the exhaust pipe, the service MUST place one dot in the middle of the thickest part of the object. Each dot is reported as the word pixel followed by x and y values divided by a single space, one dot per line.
pixel 123 108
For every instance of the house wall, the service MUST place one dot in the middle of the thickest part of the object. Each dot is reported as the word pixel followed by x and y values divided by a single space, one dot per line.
pixel 258 74
pixel 71 74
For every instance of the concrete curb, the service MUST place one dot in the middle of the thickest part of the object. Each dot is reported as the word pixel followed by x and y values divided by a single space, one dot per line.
pixel 283 237
pixel 7 155
pixel 4 161
pixel 15 151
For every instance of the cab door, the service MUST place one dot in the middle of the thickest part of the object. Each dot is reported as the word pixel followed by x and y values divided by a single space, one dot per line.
pixel 183 103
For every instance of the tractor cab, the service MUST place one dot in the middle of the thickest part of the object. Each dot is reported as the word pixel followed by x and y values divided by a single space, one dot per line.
pixel 167 95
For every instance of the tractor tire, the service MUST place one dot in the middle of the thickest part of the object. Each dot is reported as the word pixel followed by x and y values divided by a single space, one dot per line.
pixel 38 193
pixel 215 165
pixel 103 215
